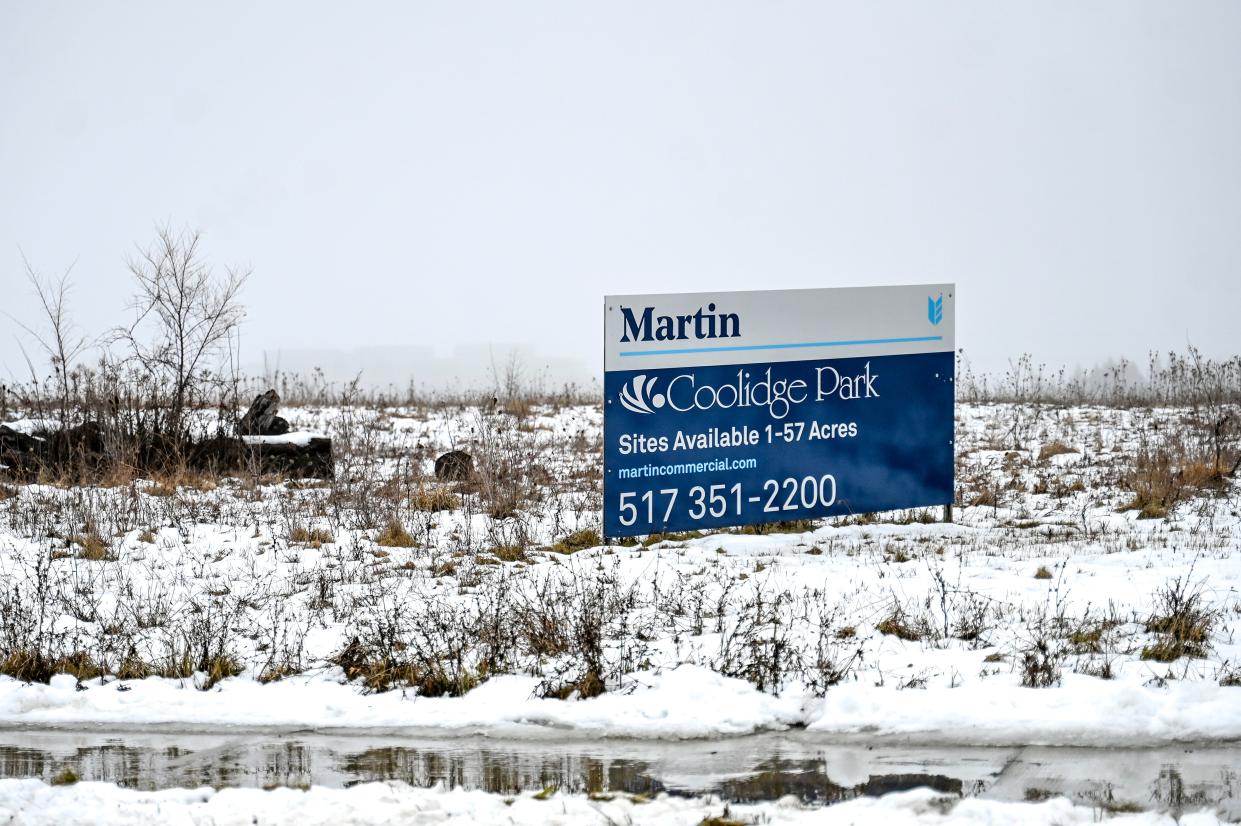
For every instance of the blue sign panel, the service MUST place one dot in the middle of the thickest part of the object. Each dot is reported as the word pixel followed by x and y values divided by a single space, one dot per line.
pixel 741 412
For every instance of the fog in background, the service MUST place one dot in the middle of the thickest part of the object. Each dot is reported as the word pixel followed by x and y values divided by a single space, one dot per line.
pixel 422 187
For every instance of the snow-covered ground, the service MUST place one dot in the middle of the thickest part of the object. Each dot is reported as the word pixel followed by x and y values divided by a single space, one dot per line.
pixel 30 802
pixel 862 626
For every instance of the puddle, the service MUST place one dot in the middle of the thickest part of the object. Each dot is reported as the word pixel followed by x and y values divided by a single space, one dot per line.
pixel 760 767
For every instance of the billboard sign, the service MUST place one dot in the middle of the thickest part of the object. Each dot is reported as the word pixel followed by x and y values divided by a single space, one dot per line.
pixel 739 408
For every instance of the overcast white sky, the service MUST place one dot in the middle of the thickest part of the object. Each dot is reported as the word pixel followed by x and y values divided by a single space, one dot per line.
pixel 463 174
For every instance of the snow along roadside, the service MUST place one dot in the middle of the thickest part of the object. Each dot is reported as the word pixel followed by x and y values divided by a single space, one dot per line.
pixel 686 702
pixel 31 802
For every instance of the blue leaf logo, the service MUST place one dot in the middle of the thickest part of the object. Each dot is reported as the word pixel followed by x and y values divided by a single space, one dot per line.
pixel 935 309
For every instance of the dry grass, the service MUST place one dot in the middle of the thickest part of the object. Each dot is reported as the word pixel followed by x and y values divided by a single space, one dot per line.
pixel 434 499
pixel 784 526
pixel 1055 448
pixel 91 547
pixel 509 553
pixel 218 668
pixel 169 485
pixel 35 667
pixel 519 407
pixel 394 535
pixel 315 537
pixel 590 685
pixel 1161 479
pixel 132 668
pixel 577 541
pixel 1087 638
pixel 275 673
pixel 667 536
pixel 385 672
pixel 1182 620
pixel 896 625
pixel 983 498
pixel 503 506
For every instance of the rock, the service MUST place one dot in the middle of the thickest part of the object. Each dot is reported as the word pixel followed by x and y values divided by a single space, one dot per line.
pixel 229 455
pixel 278 427
pixel 313 459
pixel 78 442
pixel 84 449
pixel 260 416
pixel 454 466
pixel 19 450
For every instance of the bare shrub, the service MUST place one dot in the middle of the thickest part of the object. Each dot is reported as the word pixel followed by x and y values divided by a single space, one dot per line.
pixel 427 647
pixel 61 343
pixel 1041 650
pixel 1182 620
pixel 759 646
pixel 1041 659
pixel 30 642
pixel 184 315
pixel 832 662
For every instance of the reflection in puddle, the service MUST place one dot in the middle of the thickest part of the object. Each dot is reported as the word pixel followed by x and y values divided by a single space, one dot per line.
pixel 761 767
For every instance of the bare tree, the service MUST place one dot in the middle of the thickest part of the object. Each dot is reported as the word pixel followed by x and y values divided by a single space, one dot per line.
pixel 61 342
pixel 185 314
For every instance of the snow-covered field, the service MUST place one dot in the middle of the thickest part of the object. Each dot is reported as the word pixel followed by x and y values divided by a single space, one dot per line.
pixel 386 600
pixel 866 625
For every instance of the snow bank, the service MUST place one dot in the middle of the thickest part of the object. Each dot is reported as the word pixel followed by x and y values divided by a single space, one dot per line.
pixel 30 802
pixel 687 702
pixel 1084 711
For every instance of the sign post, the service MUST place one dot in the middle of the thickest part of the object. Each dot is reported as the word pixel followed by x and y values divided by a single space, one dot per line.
pixel 739 408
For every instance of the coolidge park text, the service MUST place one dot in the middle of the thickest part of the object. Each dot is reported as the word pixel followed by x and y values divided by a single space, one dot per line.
pixel 749 407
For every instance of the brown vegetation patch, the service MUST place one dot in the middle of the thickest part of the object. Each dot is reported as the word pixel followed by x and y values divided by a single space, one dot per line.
pixel 577 541
pixel 434 499
pixel 509 553
pixel 896 625
pixel 315 537
pixel 1055 448
pixel 590 685
pixel 33 666
pixel 91 547
pixel 394 535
